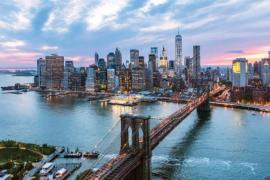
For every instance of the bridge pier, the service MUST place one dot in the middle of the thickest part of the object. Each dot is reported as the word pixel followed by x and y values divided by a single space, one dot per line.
pixel 138 144
pixel 204 107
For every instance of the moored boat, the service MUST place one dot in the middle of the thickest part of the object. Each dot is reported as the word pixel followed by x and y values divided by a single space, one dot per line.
pixel 91 155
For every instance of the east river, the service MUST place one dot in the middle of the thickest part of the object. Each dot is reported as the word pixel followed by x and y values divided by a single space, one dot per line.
pixel 224 144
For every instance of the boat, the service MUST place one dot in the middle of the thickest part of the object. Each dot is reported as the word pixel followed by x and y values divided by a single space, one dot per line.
pixel 7 88
pixel 61 174
pixel 17 87
pixel 46 169
pixel 76 154
pixel 123 100
pixel 73 155
pixel 91 155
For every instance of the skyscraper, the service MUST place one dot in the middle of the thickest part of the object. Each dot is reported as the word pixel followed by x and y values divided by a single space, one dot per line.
pixel 250 71
pixel 163 60
pixel 178 53
pixel 138 79
pixel 96 58
pixel 239 76
pixel 68 71
pixel 101 75
pixel 118 60
pixel 189 68
pixel 134 57
pixel 152 62
pixel 141 61
pixel 54 71
pixel 171 65
pixel 41 72
pixel 266 71
pixel 154 51
pixel 111 80
pixel 91 83
pixel 111 60
pixel 196 61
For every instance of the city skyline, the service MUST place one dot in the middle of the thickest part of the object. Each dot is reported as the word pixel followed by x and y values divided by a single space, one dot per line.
pixel 77 29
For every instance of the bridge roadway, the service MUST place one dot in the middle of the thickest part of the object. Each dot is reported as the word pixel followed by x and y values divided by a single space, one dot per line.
pixel 121 165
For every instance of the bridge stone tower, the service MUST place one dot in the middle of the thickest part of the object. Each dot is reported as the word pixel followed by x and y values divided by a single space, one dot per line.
pixel 138 144
pixel 203 87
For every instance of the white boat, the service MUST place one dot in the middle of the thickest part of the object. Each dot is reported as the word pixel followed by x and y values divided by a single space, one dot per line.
pixel 61 173
pixel 46 169
pixel 123 100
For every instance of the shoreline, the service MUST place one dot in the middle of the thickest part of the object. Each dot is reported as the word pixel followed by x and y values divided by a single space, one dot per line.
pixel 241 106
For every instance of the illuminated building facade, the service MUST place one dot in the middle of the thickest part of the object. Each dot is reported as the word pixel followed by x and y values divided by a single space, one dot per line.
pixel 138 79
pixel 125 79
pixel 163 60
pixel 101 75
pixel 239 75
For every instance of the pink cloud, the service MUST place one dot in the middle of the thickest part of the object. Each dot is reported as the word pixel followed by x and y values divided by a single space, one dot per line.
pixel 19 59
pixel 28 59
pixel 81 60
pixel 251 53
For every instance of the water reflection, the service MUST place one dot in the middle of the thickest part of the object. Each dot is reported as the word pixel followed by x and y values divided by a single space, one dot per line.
pixel 177 155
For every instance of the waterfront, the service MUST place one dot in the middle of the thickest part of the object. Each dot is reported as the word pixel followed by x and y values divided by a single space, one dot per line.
pixel 227 143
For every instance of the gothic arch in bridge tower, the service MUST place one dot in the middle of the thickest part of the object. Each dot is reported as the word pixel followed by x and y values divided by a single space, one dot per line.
pixel 139 127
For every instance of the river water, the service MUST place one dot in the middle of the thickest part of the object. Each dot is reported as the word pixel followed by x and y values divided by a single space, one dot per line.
pixel 223 144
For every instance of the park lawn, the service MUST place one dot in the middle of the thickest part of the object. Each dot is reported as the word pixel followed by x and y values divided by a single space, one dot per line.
pixel 18 155
pixel 44 149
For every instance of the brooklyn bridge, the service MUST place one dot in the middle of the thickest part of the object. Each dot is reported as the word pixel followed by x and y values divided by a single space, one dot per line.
pixel 134 159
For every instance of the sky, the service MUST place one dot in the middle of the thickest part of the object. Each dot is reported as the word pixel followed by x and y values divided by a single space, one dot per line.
pixel 76 29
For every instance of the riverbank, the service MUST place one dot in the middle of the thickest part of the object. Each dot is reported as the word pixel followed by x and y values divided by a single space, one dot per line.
pixel 252 107
pixel 16 158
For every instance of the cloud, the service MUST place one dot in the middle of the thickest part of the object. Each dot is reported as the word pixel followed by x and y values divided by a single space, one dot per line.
pixel 12 44
pixel 150 4
pixel 16 59
pixel 46 47
pixel 81 60
pixel 199 23
pixel 94 14
pixel 235 52
pixel 142 39
pixel 64 15
pixel 104 13
pixel 18 14
pixel 164 24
